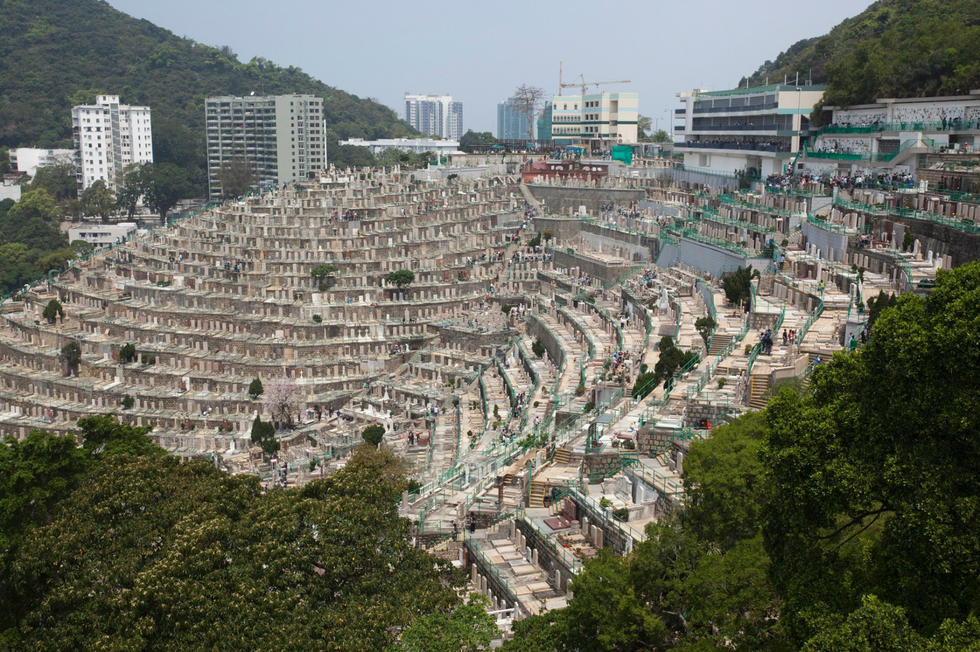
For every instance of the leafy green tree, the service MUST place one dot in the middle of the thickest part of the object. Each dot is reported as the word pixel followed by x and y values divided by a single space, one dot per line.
pixel 373 434
pixel 606 613
pixel 81 247
pixel 34 203
pixel 53 311
pixel 322 274
pixel 71 356
pixel 871 491
pixel 97 199
pixel 537 347
pixel 264 434
pixel 58 181
pixel 660 136
pixel 705 325
pixel 723 479
pixel 255 388
pixel 164 184
pixel 738 285
pixel 400 277
pixel 236 177
pixel 472 140
pixel 105 436
pixel 127 352
pixel 467 628
pixel 879 303
pixel 130 190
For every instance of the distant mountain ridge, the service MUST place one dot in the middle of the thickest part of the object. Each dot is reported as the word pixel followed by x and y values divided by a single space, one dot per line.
pixel 58 53
pixel 894 48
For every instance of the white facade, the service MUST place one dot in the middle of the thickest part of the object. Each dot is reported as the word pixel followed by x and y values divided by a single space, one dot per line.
pixel 753 130
pixel 435 115
pixel 282 138
pixel 109 136
pixel 100 235
pixel 600 119
pixel 29 159
pixel 882 131
pixel 10 189
pixel 417 145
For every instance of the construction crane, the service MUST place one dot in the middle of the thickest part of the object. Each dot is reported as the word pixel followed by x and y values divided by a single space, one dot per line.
pixel 583 84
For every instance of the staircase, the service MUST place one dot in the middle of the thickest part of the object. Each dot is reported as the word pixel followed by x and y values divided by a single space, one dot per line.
pixel 718 343
pixel 759 386
pixel 563 456
pixel 536 494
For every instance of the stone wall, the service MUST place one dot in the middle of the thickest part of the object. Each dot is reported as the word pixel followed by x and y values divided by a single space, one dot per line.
pixel 606 272
pixel 559 574
pixel 558 199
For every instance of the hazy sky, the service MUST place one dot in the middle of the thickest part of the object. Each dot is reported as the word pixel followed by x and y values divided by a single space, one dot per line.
pixel 478 52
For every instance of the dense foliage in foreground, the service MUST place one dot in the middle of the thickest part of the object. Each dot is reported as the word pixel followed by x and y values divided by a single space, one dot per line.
pixel 845 517
pixel 116 545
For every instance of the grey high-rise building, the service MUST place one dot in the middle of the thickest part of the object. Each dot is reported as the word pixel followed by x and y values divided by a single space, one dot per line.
pixel 282 138
pixel 435 115
pixel 511 122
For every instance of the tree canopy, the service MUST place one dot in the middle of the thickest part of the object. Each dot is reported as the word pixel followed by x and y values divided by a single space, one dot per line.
pixel 116 544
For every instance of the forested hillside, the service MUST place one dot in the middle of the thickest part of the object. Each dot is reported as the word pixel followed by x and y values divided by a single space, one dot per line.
pixel 895 48
pixel 55 54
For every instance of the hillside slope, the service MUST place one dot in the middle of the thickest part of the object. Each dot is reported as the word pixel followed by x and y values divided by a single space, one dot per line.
pixel 895 48
pixel 55 54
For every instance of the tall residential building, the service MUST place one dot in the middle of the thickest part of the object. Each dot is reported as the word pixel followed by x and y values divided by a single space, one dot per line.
pixel 598 121
pixel 281 138
pixel 544 123
pixel 435 115
pixel 754 130
pixel 108 137
pixel 511 122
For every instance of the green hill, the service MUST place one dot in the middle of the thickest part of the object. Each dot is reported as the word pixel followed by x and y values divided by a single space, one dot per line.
pixel 55 54
pixel 894 48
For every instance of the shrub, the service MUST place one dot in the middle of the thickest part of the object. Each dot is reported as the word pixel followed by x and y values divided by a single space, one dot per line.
pixel 400 277
pixel 589 407
pixel 53 310
pixel 149 358
pixel 580 390
pixel 128 402
pixel 605 502
pixel 704 326
pixel 317 318
pixel 255 388
pixel 721 382
pixel 623 514
pixel 373 434
pixel 537 348
pixel 127 352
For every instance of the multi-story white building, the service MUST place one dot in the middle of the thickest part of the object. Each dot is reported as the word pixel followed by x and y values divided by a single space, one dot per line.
pixel 281 138
pixel 109 136
pixel 753 130
pixel 597 121
pixel 435 115
pixel 101 235
pixel 29 159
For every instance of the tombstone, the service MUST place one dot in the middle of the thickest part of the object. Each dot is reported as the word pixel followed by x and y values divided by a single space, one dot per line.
pixel 598 539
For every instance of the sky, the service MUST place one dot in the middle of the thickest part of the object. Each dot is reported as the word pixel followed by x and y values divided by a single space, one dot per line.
pixel 479 52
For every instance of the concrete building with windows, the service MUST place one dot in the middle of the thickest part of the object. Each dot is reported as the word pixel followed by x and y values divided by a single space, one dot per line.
pixel 109 136
pixel 596 121
pixel 435 115
pixel 511 122
pixel 29 159
pixel 755 130
pixel 101 235
pixel 282 138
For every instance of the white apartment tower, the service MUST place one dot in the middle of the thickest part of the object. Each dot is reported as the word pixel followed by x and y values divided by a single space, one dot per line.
pixel 108 137
pixel 435 115
pixel 282 138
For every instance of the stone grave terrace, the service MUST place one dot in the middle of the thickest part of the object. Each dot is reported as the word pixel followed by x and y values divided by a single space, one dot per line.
pixel 229 295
